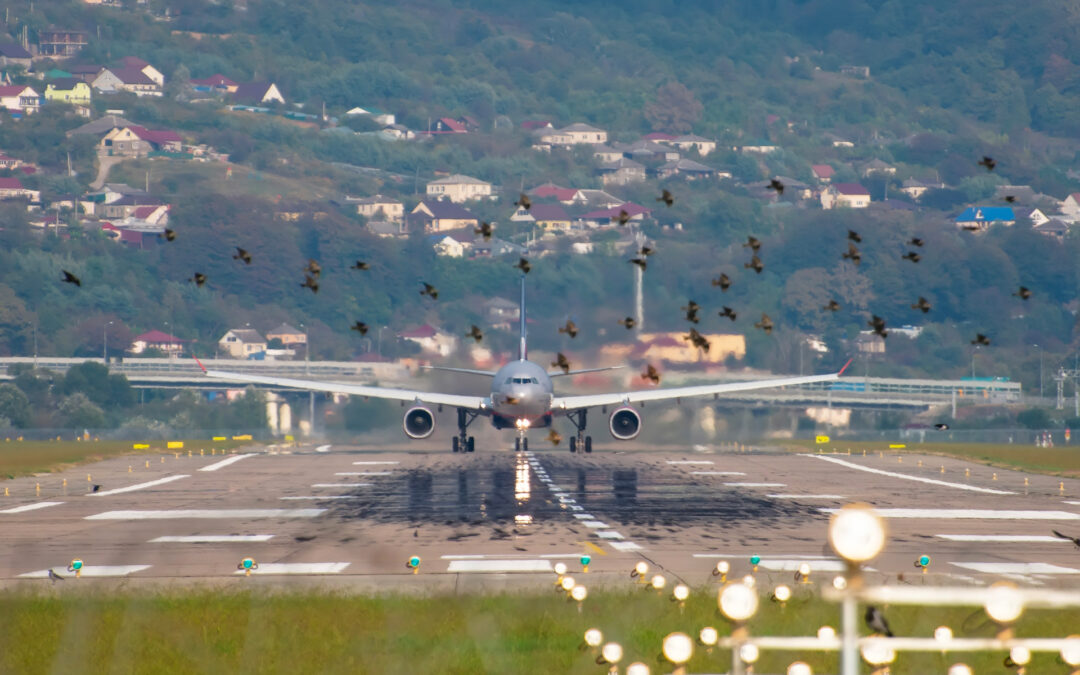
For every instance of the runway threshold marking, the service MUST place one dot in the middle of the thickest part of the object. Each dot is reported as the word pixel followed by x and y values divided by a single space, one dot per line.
pixel 499 566
pixel 226 462
pixel 373 463
pixel 625 546
pixel 904 476
pixel 680 462
pixel 1073 503
pixel 593 547
pixel 1015 568
pixel 340 485
pixel 717 473
pixel 806 496
pixel 755 484
pixel 976 514
pixel 89 571
pixel 298 568
pixel 307 497
pixel 216 514
pixel 595 524
pixel 792 565
pixel 364 473
pixel 138 486
pixel 1003 538
pixel 210 538
pixel 609 534
pixel 30 507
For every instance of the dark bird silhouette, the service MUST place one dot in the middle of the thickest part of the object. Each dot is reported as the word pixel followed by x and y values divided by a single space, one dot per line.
pixel 170 235
pixel 430 291
pixel 96 488
pixel 915 241
pixel 691 308
pixel 912 256
pixel 628 322
pixel 922 304
pixel 697 339
pixel 360 265
pixel 1010 198
pixel 360 327
pixel 981 339
pixel 766 324
pixel 753 243
pixel 310 282
pixel 970 227
pixel 723 281
pixel 728 312
pixel 523 265
pixel 54 577
pixel 313 268
pixel 475 333
pixel 852 254
pixel 988 162
pixel 878 324
pixel 70 278
pixel 640 262
pixel 416 534
pixel 198 279
pixel 755 264
pixel 665 196
pixel 485 230
pixel 624 216
pixel 1074 540
pixel 854 236
pixel 775 184
pixel 241 254
pixel 524 201
pixel 570 329
pixel 554 437
pixel 941 426
pixel 1024 293
pixel 646 251
pixel 876 622
pixel 651 374
pixel 561 362
pixel 831 306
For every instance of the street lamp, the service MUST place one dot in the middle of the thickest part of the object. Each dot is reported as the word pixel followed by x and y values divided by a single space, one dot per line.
pixel 1040 372
pixel 105 343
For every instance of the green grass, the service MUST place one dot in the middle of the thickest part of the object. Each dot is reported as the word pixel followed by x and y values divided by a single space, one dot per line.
pixel 179 631
pixel 21 458
pixel 1063 461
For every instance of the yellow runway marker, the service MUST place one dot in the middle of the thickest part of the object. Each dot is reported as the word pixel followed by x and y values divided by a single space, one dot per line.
pixel 593 547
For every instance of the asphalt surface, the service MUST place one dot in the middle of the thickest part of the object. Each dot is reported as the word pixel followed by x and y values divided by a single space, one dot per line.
pixel 351 517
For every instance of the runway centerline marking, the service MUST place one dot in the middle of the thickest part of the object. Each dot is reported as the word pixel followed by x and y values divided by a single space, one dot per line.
pixel 609 534
pixel 625 546
pixel 341 485
pixel 755 484
pixel 517 565
pixel 301 498
pixel 226 462
pixel 682 462
pixel 373 463
pixel 1015 568
pixel 210 538
pixel 297 568
pixel 1003 538
pixel 904 476
pixel 595 524
pixel 977 514
pixel 806 496
pixel 216 514
pixel 30 507
pixel 364 473
pixel 139 486
pixel 717 473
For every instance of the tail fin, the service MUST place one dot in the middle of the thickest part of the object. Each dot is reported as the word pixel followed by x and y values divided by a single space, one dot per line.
pixel 523 351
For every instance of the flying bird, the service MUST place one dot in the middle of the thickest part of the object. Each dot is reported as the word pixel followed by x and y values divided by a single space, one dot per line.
pixel 922 304
pixel 876 622
pixel 1010 198
pixel 766 324
pixel 54 577
pixel 755 264
pixel 691 308
pixel 523 265
pixel 723 281
pixel 972 227
pixel 313 268
pixel 912 256
pixel 728 312
pixel 941 426
pixel 852 254
pixel 646 251
pixel 988 162
pixel 430 291
pixel 485 230
pixel 554 437
pixel 665 196
pixel 981 340
pixel 753 243
pixel 697 339
pixel 915 241
pixel 854 236
pixel 524 201
pixel 561 362
pixel 198 279
pixel 170 235
pixel 70 278
pixel 360 265
pixel 475 333
pixel 775 184
pixel 241 254
pixel 628 322
pixel 878 324
pixel 1024 293
pixel 360 327
pixel 570 329
pixel 1075 540
pixel 624 217
pixel 832 306
pixel 640 262
pixel 310 282
pixel 651 374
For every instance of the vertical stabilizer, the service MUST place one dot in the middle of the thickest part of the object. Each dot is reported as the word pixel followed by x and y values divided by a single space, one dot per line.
pixel 523 352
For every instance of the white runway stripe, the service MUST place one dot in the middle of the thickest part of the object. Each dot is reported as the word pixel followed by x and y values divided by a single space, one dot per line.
pixel 211 538
pixel 30 507
pixel 806 496
pixel 609 534
pixel 595 524
pixel 89 571
pixel 755 484
pixel 786 556
pixel 1016 568
pixel 717 473
pixel 904 476
pixel 373 463
pixel 499 566
pixel 364 473
pixel 792 565
pixel 217 514
pixel 340 485
pixel 975 514
pixel 298 568
pixel 1003 538
pixel 679 462
pixel 140 486
pixel 625 546
pixel 305 497
pixel 226 462
pixel 584 516
pixel 1073 503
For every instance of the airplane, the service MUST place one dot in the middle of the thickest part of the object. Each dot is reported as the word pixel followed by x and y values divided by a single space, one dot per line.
pixel 523 398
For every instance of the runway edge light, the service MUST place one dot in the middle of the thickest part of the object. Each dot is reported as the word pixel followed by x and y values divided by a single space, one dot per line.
pixel 76 566
pixel 414 564
pixel 247 565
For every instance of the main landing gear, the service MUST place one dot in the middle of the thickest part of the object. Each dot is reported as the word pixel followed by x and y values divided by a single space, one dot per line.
pixel 580 440
pixel 521 444
pixel 463 442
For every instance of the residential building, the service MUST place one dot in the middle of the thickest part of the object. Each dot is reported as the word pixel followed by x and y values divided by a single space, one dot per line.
pixel 100 126
pixel 440 216
pixel 862 72
pixel 215 83
pixel 760 147
pixel 605 154
pixel 60 42
pixel 145 68
pixel 1070 207
pixel 458 188
pixel 611 216
pixel 1037 217
pixel 685 168
pixel 126 206
pixel 1054 228
pixel 551 217
pixel 137 141
pixel 877 166
pixel 823 172
pixel 384 118
pixel 502 314
pixel 155 339
pixel 845 195
pixel 19 99
pixel 838 141
pixel 12 54
pixel 12 188
pixel 126 79
pixel 573 134
pixel 980 218
pixel 595 199
pixel 645 151
pixel 675 348
pixel 448 125
pixel 378 208
pixel 9 163
pixel 387 229
pixel 916 188
pixel 869 342
pixel 431 340
pixel 703 146
pixel 451 246
pixel 258 93
pixel 793 188
pixel 68 90
pixel 288 335
pixel 86 72
pixel 621 172
pixel 551 190
pixel 242 343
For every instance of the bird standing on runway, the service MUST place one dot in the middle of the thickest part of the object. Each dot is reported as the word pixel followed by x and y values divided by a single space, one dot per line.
pixel 1074 540
pixel 96 488
pixel 875 620
pixel 54 576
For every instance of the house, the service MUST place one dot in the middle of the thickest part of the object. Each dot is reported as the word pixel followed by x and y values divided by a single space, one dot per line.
pixel 595 199
pixel 431 340
pixel 68 90
pixel 838 142
pixel 387 229
pixel 1070 207
pixel 217 83
pixel 458 188
pixel 675 348
pixel 440 216
pixel 644 151
pixel 980 218
pixel 551 217
pixel 611 216
pixel 379 208
pixel 533 125
pixel 448 125
pixel 551 190
pixel 501 314
pixel 823 172
pixel 573 134
pixel 849 195
pixel 760 147
pixel 155 339
pixel 380 117
pixel 792 187
pixel 869 342
pixel 60 42
pixel 685 168
pixel 12 188
pixel 451 246
pixel 288 335
pixel 19 99
pixel 145 68
pixel 256 93
pixel 1055 228
pixel 493 248
pixel 137 141
pixel 862 72
pixel 621 172
pixel 242 343
pixel 12 54
pixel 87 73
pixel 100 126
pixel 916 188
pixel 126 79
pixel 877 166
pixel 1037 217
pixel 605 154
pixel 659 137
pixel 9 163
pixel 126 206
pixel 703 146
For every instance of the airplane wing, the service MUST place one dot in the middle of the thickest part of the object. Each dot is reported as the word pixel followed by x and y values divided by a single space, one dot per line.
pixel 455 400
pixel 559 373
pixel 464 371
pixel 628 397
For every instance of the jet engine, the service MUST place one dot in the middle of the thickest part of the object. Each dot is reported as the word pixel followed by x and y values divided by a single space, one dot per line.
pixel 419 422
pixel 625 424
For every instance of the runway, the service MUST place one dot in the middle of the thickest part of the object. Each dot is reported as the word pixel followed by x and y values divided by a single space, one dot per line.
pixel 352 517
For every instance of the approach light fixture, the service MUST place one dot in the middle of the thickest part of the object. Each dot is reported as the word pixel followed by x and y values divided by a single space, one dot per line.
pixel 738 602
pixel 960 669
pixel 878 653
pixel 708 636
pixel 611 653
pixel 856 533
pixel 680 592
pixel 637 668
pixel 749 653
pixel 1004 603
pixel 593 637
pixel 658 582
pixel 826 633
pixel 721 570
pixel 579 593
pixel 781 594
pixel 943 634
pixel 800 668
pixel 567 584
pixel 678 648
pixel 1070 651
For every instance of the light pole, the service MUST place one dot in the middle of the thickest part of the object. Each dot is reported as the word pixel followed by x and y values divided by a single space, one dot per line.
pixel 1040 372
pixel 104 343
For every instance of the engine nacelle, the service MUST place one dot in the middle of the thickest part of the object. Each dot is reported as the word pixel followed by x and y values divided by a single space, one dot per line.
pixel 419 422
pixel 625 424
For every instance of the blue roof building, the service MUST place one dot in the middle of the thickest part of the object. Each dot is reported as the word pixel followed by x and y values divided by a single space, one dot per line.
pixel 982 217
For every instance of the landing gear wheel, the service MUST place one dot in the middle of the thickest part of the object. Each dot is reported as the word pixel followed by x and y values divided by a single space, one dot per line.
pixel 524 445
pixel 471 444
pixel 588 444
pixel 455 445
pixel 573 444
pixel 517 445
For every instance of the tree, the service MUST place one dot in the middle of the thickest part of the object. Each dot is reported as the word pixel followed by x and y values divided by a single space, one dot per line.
pixel 14 405
pixel 1034 418
pixel 675 109
pixel 79 412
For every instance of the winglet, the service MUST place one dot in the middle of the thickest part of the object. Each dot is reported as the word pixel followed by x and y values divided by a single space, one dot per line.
pixel 845 367
pixel 199 362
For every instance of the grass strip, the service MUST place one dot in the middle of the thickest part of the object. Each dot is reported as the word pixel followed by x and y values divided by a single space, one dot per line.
pixel 21 458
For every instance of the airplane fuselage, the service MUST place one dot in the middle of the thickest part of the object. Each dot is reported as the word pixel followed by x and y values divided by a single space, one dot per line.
pixel 521 395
